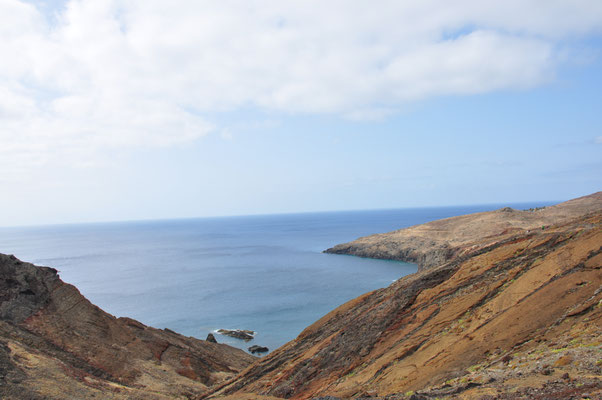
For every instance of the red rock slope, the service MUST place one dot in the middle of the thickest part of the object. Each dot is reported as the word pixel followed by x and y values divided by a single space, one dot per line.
pixel 55 344
pixel 490 323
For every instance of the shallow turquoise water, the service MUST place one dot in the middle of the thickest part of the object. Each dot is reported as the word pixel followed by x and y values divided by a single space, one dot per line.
pixel 263 273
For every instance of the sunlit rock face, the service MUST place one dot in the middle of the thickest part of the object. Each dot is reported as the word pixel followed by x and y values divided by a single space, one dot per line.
pixel 54 343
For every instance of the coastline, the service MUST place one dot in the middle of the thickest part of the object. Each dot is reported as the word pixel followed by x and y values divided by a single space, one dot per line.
pixel 441 241
pixel 519 313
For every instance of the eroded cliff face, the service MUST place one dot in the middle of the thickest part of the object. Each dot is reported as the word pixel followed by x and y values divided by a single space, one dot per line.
pixel 493 321
pixel 55 344
pixel 434 243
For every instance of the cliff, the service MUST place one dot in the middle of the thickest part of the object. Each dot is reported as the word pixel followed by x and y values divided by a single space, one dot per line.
pixel 55 344
pixel 437 242
pixel 516 317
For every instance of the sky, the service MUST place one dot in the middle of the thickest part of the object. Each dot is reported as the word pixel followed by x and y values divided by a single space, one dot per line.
pixel 124 110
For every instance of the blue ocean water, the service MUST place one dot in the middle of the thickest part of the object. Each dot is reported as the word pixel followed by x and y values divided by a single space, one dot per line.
pixel 263 273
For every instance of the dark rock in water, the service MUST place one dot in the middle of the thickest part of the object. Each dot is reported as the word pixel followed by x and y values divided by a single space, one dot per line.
pixel 238 334
pixel 211 338
pixel 258 349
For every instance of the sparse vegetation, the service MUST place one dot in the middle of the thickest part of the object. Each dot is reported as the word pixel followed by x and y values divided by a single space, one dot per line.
pixel 558 350
pixel 474 368
pixel 534 209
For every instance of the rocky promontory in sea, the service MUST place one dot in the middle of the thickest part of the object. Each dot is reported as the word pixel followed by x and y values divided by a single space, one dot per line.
pixel 438 242
pixel 506 305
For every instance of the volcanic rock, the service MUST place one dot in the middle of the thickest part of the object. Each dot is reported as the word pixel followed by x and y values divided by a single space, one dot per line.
pixel 258 349
pixel 452 323
pixel 55 344
pixel 237 333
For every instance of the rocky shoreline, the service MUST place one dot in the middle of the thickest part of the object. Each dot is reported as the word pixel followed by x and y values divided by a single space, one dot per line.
pixel 242 334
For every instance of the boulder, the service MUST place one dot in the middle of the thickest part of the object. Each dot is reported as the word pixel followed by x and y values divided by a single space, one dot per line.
pixel 237 333
pixel 258 349
pixel 211 338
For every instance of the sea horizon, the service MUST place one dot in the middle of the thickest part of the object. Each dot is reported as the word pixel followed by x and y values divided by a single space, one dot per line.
pixel 265 273
pixel 545 203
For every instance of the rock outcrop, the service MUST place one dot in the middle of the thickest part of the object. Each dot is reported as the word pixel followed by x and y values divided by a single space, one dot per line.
pixel 241 334
pixel 55 344
pixel 437 242
pixel 258 349
pixel 518 316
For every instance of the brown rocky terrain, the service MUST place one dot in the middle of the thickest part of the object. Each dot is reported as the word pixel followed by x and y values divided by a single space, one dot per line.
pixel 437 242
pixel 55 344
pixel 516 317
pixel 509 310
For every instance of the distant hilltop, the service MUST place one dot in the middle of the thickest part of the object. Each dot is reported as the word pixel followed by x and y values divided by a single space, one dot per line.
pixel 437 242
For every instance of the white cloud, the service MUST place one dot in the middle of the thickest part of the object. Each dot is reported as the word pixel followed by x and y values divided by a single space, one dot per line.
pixel 108 73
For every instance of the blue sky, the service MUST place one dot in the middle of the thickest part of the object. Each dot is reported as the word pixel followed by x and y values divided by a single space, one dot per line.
pixel 121 110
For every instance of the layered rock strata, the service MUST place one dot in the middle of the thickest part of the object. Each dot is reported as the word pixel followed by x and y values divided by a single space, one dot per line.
pixel 55 344
pixel 507 311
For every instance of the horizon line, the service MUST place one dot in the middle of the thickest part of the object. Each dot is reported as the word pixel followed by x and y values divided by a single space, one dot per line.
pixel 259 214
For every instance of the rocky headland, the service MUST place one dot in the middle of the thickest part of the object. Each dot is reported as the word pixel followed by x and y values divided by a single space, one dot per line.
pixel 437 242
pixel 506 305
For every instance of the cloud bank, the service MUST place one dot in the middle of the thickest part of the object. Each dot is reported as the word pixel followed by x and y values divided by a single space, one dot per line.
pixel 102 74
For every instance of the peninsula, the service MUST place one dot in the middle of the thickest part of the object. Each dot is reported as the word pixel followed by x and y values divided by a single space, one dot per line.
pixel 437 242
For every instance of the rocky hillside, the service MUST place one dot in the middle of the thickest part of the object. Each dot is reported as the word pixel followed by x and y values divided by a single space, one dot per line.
pixel 55 344
pixel 437 242
pixel 509 307
pixel 519 316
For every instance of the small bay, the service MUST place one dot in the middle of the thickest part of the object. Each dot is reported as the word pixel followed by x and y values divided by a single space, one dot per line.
pixel 263 273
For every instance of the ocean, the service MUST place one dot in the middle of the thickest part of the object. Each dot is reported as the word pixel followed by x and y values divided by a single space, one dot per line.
pixel 262 273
